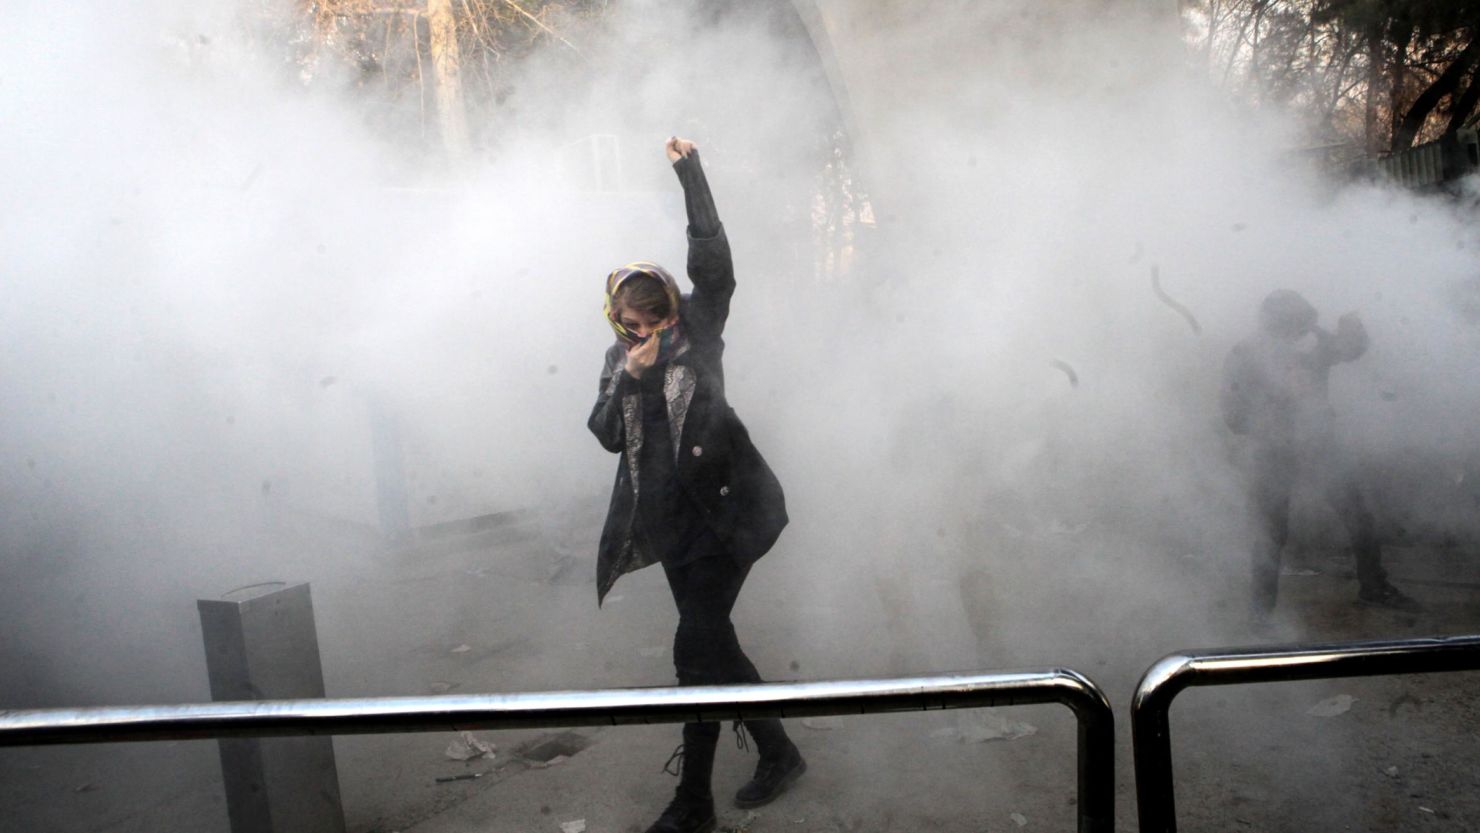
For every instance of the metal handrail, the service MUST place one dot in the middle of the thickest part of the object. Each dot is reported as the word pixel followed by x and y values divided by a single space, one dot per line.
pixel 610 707
pixel 1169 676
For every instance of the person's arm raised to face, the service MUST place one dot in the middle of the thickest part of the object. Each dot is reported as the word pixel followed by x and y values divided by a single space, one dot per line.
pixel 1349 341
pixel 1347 344
pixel 606 417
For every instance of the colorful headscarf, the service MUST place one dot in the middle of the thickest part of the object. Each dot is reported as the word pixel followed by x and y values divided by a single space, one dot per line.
pixel 672 342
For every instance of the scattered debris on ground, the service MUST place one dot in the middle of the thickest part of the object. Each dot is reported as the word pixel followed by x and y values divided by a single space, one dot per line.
pixel 463 776
pixel 988 726
pixel 465 747
pixel 1332 706
pixel 1019 819
pixel 576 826
pixel 742 825
pixel 1400 700
pixel 551 750
pixel 822 724
pixel 567 570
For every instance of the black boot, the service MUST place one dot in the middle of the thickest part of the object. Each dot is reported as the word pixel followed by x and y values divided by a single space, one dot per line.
pixel 781 763
pixel 686 814
pixel 692 807
pixel 1388 596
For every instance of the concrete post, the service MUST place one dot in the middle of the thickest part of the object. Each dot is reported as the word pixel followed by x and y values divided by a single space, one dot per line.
pixel 261 644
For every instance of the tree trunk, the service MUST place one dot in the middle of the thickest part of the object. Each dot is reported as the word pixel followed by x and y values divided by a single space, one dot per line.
pixel 1256 80
pixel 1374 77
pixel 1447 82
pixel 1339 85
pixel 445 58
pixel 1238 44
pixel 1397 86
pixel 1213 12
pixel 1464 106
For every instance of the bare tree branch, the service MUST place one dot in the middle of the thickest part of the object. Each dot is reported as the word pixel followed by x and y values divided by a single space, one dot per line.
pixel 536 21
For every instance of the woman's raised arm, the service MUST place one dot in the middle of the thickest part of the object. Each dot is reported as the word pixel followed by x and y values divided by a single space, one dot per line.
pixel 710 266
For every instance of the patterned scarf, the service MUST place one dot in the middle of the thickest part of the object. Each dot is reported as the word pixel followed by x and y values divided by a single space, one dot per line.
pixel 671 339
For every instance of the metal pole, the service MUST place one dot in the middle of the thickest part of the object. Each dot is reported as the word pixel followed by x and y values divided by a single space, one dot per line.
pixel 1169 676
pixel 609 707
pixel 1096 738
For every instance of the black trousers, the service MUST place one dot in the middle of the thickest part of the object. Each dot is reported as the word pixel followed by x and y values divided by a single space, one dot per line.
pixel 707 652
pixel 1275 475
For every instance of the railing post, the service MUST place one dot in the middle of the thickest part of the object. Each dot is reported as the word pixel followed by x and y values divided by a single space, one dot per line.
pixel 1151 737
pixel 1096 767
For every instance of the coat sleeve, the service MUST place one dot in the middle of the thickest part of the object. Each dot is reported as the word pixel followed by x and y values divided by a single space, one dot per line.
pixel 1237 391
pixel 710 266
pixel 1347 344
pixel 606 417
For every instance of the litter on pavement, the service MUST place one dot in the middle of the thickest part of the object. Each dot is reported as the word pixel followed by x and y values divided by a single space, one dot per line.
pixel 986 727
pixel 1332 706
pixel 465 747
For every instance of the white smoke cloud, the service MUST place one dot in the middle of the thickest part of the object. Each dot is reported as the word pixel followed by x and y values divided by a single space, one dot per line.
pixel 215 275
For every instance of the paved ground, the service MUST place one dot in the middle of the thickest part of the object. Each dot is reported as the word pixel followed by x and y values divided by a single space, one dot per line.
pixel 514 611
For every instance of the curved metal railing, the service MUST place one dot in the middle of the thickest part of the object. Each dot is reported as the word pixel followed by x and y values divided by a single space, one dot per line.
pixel 1169 676
pixel 276 718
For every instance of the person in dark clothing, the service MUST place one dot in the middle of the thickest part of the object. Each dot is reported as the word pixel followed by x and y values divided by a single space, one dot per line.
pixel 1275 392
pixel 692 492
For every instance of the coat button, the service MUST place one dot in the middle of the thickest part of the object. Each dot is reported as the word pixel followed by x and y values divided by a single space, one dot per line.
pixel 724 490
pixel 698 449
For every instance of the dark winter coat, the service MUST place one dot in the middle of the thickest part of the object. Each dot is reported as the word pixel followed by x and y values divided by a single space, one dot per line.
pixel 1276 391
pixel 716 464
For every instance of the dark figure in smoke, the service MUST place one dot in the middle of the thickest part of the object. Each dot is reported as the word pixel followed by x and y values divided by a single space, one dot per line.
pixel 1275 391
pixel 692 492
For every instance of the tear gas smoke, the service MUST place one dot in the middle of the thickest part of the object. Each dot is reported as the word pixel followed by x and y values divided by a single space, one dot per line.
pixel 216 280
